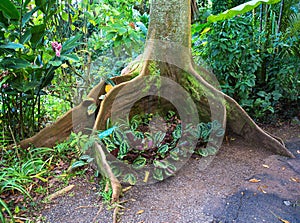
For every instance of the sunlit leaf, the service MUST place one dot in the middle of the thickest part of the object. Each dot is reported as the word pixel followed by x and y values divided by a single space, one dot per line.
pixel 28 15
pixel 55 63
pixel 142 27
pixel 17 209
pixel 240 9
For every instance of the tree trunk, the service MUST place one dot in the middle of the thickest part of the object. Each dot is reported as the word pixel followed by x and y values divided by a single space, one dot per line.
pixel 167 56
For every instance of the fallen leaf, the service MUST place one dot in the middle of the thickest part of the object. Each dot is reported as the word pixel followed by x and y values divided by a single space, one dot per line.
pixel 266 166
pixel 284 221
pixel 126 189
pixel 108 87
pixel 279 218
pixel 64 65
pixel 295 179
pixel 140 212
pixel 146 176
pixel 261 190
pixel 253 180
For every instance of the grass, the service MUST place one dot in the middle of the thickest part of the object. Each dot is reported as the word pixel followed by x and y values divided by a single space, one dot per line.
pixel 25 174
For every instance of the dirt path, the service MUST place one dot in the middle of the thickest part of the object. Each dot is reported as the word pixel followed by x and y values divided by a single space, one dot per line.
pixel 221 193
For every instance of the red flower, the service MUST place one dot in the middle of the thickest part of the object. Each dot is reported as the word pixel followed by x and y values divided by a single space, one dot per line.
pixel 5 86
pixel 56 48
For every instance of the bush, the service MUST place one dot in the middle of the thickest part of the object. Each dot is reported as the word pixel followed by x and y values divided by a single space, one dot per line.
pixel 255 68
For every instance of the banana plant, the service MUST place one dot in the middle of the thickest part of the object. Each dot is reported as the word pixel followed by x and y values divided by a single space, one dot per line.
pixel 239 10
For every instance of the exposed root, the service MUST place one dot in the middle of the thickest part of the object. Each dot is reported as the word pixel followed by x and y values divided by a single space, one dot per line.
pixel 107 172
pixel 115 214
pixel 59 193
pixel 98 212
pixel 107 103
pixel 76 119
pixel 240 123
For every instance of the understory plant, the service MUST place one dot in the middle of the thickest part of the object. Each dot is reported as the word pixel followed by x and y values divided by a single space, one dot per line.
pixel 261 66
pixel 25 173
pixel 142 143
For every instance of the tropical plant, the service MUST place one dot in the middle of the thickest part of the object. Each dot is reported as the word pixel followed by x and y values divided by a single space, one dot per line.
pixel 258 53
pixel 170 31
pixel 136 144
pixel 30 58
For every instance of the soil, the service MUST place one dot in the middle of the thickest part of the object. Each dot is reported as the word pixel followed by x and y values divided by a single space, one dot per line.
pixel 243 183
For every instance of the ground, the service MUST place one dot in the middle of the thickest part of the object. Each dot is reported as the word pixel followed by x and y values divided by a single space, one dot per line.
pixel 242 184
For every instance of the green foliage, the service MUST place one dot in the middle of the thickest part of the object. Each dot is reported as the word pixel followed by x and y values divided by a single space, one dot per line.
pixel 134 143
pixel 259 70
pixel 28 63
pixel 17 174
pixel 26 171
pixel 35 78
pixel 9 10
pixel 106 191
pixel 236 73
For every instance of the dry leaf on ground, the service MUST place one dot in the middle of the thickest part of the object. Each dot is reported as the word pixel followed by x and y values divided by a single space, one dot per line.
pixel 140 212
pixel 253 180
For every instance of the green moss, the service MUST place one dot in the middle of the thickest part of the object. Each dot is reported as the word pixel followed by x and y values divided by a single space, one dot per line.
pixel 192 86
